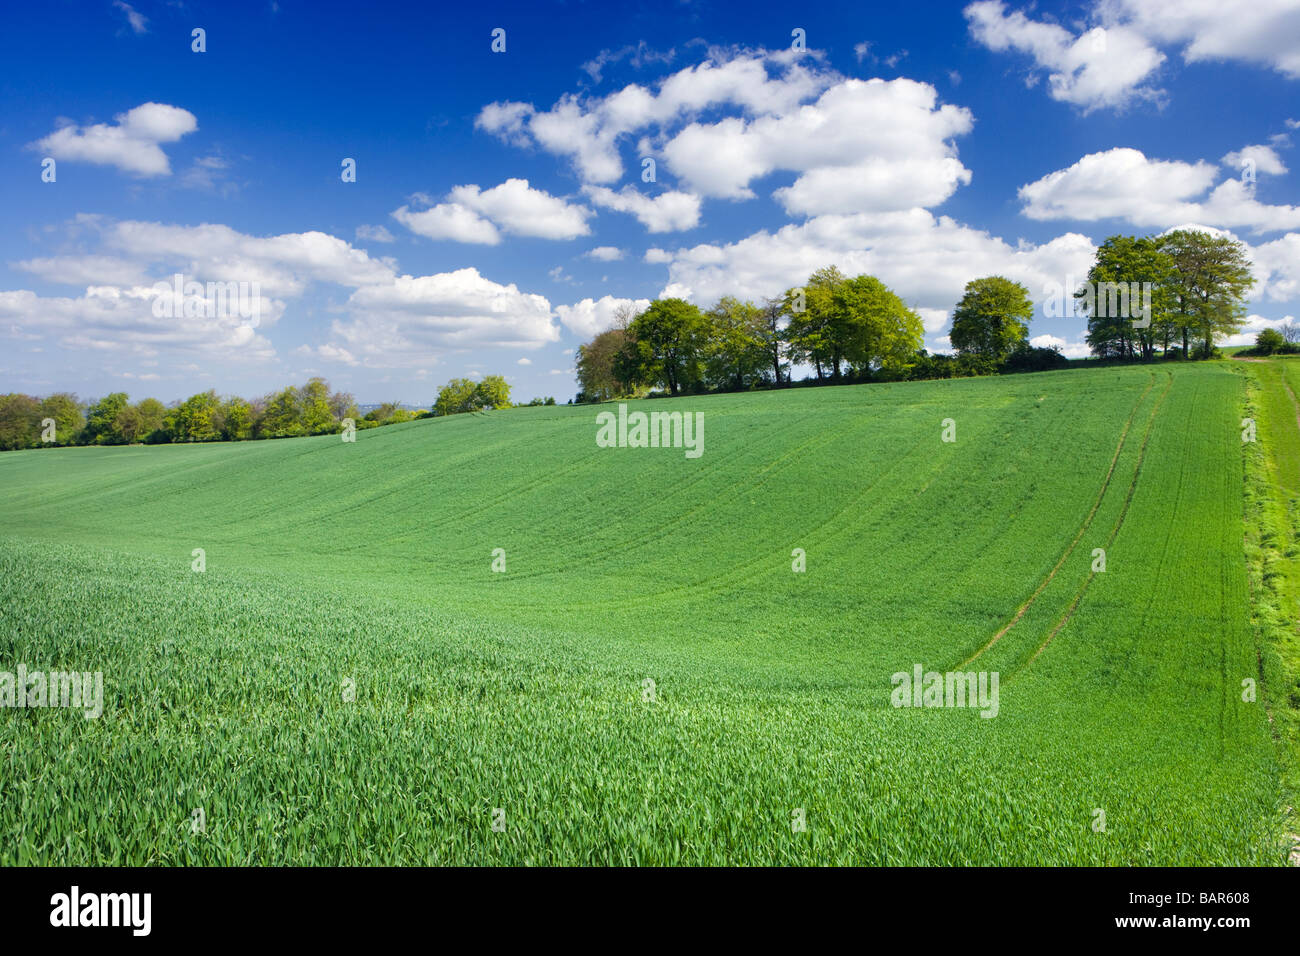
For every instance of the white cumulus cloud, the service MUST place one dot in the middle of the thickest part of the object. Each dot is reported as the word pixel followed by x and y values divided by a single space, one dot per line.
pixel 1261 159
pixel 1263 32
pixel 1124 184
pixel 374 234
pixel 476 215
pixel 1106 66
pixel 590 317
pixel 131 144
pixel 1114 61
pixel 669 211
pixel 743 115
pixel 412 320
pixel 927 260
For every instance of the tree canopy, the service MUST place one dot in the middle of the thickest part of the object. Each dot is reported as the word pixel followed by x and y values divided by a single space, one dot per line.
pixel 667 345
pixel 462 395
pixel 1209 284
pixel 992 319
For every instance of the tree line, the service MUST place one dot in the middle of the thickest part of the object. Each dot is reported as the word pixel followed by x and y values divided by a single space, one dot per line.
pixel 1280 341
pixel 858 330
pixel 1191 286
pixel 1198 285
pixel 311 409
pixel 844 329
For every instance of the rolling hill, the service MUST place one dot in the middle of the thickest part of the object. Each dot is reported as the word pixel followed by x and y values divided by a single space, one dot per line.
pixel 649 679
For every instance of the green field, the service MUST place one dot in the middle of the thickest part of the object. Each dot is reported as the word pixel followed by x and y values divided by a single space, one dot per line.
pixel 332 565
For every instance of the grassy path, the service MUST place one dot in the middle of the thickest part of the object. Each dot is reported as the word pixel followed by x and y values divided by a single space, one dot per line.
pixel 1273 551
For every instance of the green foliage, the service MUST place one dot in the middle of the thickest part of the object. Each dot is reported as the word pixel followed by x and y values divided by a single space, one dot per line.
pixel 196 419
pixel 736 351
pixel 314 409
pixel 667 346
pixel 492 392
pixel 69 420
pixel 20 421
pixel 113 420
pixel 280 416
pixel 992 319
pixel 456 397
pixel 101 420
pixel 1198 282
pixel 1209 285
pixel 812 333
pixel 878 331
pixel 237 419
pixel 846 328
pixel 1114 298
pixel 308 410
pixel 925 366
pixel 133 425
pixel 857 322
pixel 1269 342
pixel 598 368
pixel 462 395
pixel 1026 358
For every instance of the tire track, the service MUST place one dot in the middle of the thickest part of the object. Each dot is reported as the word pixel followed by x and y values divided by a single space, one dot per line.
pixel 1083 529
pixel 1119 522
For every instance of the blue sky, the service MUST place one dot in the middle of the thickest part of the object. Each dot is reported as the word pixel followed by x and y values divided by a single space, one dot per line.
pixel 499 214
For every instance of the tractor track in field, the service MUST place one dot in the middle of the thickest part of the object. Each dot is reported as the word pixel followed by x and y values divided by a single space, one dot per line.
pixel 1083 529
pixel 464 521
pixel 1114 532
pixel 740 571
pixel 820 534
pixel 826 530
pixel 683 518
pixel 1281 374
pixel 688 518
pixel 1295 404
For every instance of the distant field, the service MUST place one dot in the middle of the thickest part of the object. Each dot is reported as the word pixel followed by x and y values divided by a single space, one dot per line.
pixel 369 565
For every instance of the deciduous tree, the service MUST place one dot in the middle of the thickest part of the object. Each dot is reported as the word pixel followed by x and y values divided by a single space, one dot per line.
pixel 1211 280
pixel 992 318
pixel 669 339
